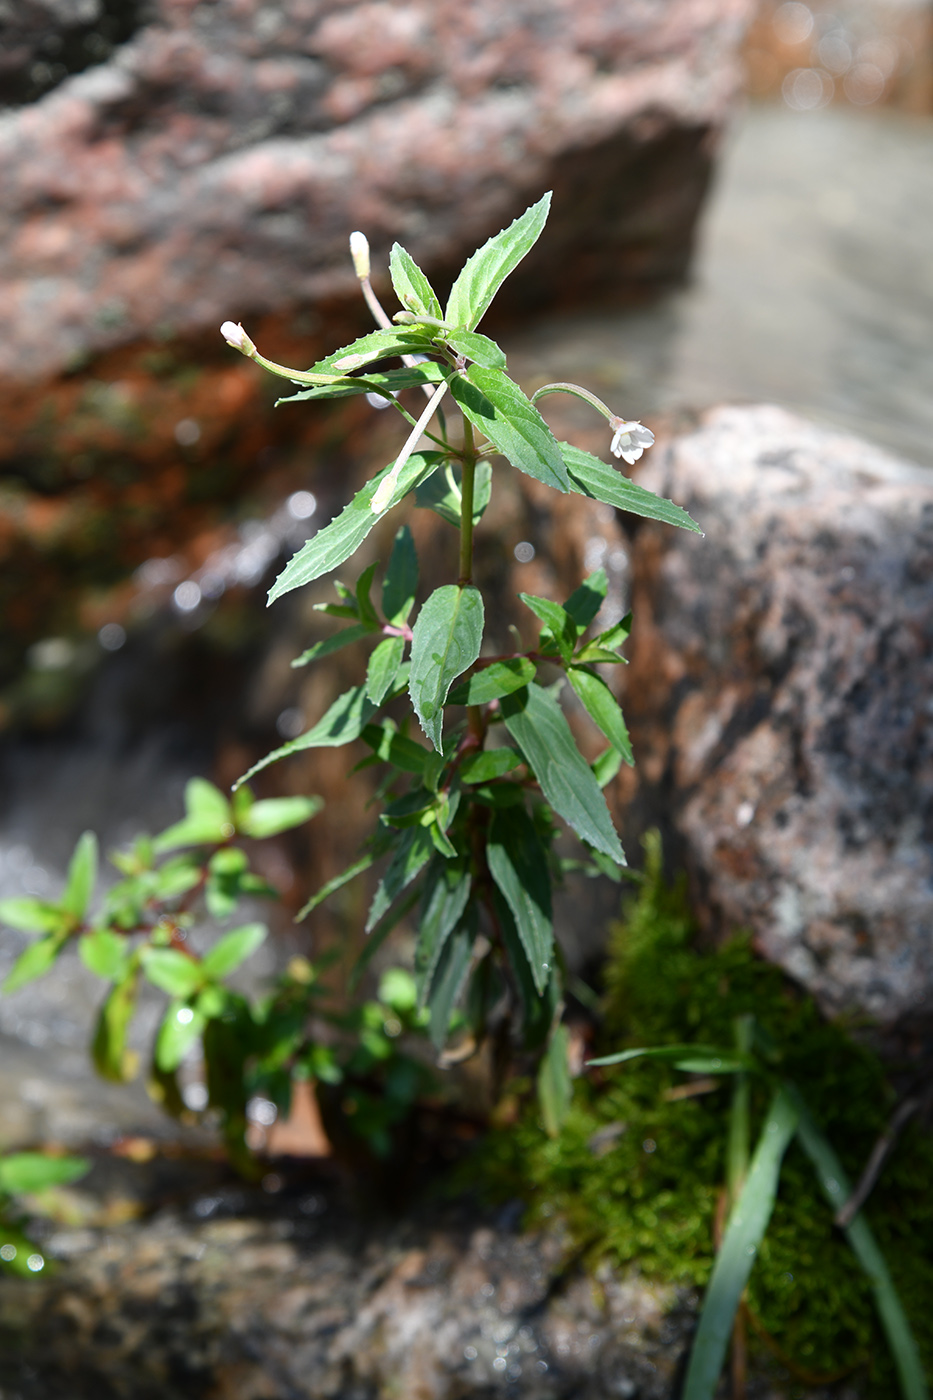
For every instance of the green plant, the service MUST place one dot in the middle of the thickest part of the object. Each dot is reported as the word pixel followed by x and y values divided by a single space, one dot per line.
pixel 469 818
pixel 28 1174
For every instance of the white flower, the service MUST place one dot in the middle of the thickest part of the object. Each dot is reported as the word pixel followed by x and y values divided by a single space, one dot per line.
pixel 236 336
pixel 629 440
pixel 359 252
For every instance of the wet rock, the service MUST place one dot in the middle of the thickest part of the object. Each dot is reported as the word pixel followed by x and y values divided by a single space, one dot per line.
pixel 214 164
pixel 308 1300
pixel 779 698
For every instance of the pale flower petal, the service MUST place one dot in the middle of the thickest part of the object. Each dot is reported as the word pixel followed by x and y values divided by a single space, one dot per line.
pixel 236 336
pixel 629 439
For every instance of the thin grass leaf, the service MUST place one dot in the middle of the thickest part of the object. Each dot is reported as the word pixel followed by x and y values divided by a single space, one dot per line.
pixel 837 1188
pixel 744 1233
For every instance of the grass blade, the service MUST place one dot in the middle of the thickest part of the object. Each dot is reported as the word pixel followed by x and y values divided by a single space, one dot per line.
pixel 744 1233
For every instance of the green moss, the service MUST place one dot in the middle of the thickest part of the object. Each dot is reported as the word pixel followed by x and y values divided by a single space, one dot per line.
pixel 646 1194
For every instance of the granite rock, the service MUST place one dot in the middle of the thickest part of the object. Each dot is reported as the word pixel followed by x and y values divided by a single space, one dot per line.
pixel 779 698
pixel 212 166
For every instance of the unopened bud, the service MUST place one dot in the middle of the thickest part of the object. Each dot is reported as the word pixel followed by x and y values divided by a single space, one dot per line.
pixel 236 336
pixel 359 252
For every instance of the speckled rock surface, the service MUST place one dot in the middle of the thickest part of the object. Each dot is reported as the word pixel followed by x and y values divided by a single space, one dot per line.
pixel 779 696
pixel 214 164
pixel 305 1300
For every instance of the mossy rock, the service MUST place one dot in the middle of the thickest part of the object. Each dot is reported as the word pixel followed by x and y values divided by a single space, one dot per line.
pixel 636 1175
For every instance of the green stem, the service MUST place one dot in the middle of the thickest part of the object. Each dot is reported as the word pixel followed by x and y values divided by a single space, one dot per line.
pixel 466 505
pixel 739 1148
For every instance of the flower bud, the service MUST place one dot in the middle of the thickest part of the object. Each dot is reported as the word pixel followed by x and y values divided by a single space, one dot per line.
pixel 359 252
pixel 236 336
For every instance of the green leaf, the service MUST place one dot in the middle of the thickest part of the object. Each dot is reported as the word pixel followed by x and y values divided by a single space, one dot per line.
pixel 82 874
pixel 492 682
pixel 453 966
pixel 401 579
pixel 397 749
pixel 231 950
pixel 555 1086
pixel 559 624
pixel 412 288
pixel 446 891
pixel 363 585
pixel 275 814
pixel 383 668
pixel 104 953
pixel 329 547
pixel 537 724
pixel 444 499
pixel 585 602
pixel 744 1232
pixel 497 407
pixel 606 766
pixel 478 348
pixel 335 884
pixel 386 382
pixel 33 962
pixel 837 1189
pixel 602 708
pixel 329 645
pixel 484 273
pixel 207 819
pixel 379 934
pixel 492 763
pixel 713 1053
pixel 22 1172
pixel 518 863
pixel 376 345
pixel 539 1011
pixel 446 640
pixel 341 724
pixel 181 1027
pixel 112 1059
pixel 591 477
pixel 204 800
pixel 30 915
pixel 410 857
pixel 172 971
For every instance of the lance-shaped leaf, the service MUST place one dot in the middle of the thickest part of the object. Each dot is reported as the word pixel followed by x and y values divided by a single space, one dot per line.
pixel 744 1232
pixel 231 950
pixel 376 345
pixel 171 970
pixel 401 578
pixel 337 882
pixel 837 1188
pixel 329 547
pixel 385 382
pixel 22 1172
pixel 112 1059
pixel 411 855
pixel 412 288
pixel 82 873
pixel 444 499
pixel 276 814
pixel 492 682
pixel 33 962
pixel 539 1011
pixel 181 1026
pixel 395 748
pixel 491 763
pixel 585 602
pixel 717 1059
pixel 555 1086
pixel 518 864
pixel 537 724
pixel 446 640
pixel 446 891
pixel 105 953
pixel 602 708
pixel 383 667
pixel 207 819
pixel 453 966
pixel 559 624
pixel 496 406
pixel 591 477
pixel 329 645
pixel 342 723
pixel 483 274
pixel 478 348
pixel 30 915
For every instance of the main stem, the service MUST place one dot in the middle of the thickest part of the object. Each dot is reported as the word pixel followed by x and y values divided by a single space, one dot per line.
pixel 468 457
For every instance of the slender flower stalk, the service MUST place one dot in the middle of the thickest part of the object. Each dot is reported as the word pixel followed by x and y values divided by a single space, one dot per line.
pixel 386 489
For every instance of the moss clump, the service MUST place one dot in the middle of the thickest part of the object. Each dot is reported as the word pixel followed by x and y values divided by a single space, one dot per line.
pixel 636 1176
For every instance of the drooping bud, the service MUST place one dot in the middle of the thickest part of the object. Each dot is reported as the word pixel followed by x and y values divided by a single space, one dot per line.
pixel 359 252
pixel 236 336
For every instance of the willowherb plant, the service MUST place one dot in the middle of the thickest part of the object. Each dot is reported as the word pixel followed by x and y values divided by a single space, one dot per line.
pixel 468 821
